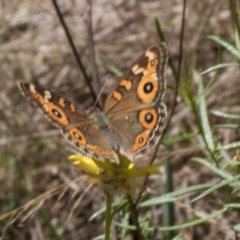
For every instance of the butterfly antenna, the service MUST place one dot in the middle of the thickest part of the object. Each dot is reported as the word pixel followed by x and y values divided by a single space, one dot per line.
pixel 101 90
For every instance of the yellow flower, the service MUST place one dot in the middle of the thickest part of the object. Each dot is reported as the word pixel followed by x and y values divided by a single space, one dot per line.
pixel 111 176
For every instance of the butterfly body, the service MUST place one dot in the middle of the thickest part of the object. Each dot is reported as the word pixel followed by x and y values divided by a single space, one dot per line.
pixel 131 120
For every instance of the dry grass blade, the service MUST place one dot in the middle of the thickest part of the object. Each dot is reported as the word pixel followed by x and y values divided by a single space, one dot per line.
pixel 77 202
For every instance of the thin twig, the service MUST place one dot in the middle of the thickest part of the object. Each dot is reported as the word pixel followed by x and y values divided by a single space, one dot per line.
pixel 96 84
pixel 79 62
pixel 134 217
pixel 179 66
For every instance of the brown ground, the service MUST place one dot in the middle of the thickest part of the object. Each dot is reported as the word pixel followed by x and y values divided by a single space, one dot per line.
pixel 33 154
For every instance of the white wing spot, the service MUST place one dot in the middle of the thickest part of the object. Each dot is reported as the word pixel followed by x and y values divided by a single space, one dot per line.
pixel 145 72
pixel 47 95
pixel 154 76
pixel 150 55
pixel 76 135
pixel 32 88
pixel 136 69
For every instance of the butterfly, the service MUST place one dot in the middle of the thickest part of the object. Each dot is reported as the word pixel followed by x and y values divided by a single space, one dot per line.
pixel 132 117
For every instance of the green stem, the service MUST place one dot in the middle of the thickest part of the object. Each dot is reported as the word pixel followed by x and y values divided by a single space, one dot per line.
pixel 108 217
pixel 234 9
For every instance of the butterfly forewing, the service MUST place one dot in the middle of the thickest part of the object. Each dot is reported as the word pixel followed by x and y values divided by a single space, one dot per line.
pixel 142 84
pixel 73 122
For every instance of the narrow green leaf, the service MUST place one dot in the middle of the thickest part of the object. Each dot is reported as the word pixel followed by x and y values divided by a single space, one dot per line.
pixel 226 45
pixel 213 168
pixel 100 237
pixel 194 222
pixel 124 225
pixel 50 226
pixel 236 227
pixel 102 210
pixel 215 187
pixel 226 115
pixel 169 197
pixel 229 146
pixel 219 66
pixel 178 237
pixel 204 116
pixel 232 205
pixel 233 126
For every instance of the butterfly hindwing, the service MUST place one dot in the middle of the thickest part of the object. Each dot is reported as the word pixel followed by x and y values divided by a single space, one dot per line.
pixel 143 84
